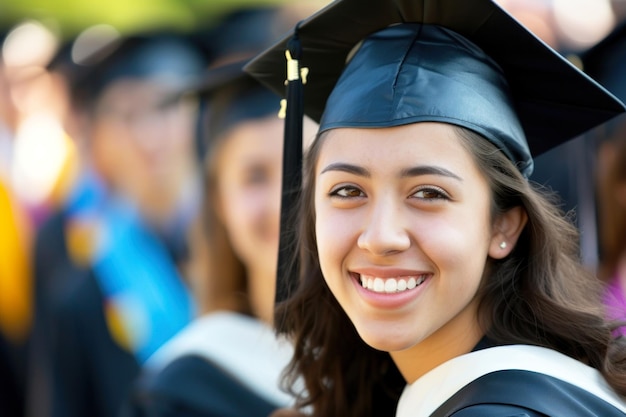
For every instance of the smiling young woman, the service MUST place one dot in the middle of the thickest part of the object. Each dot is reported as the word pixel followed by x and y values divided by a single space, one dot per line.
pixel 434 278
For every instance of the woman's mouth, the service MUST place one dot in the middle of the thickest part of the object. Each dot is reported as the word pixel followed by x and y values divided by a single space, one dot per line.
pixel 391 285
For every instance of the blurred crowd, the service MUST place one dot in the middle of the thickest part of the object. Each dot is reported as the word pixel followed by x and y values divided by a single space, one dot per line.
pixel 140 196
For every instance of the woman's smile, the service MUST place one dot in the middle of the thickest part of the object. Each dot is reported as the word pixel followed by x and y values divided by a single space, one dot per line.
pixel 389 291
pixel 391 285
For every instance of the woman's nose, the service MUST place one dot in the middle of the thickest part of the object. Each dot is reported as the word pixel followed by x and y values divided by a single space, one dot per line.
pixel 385 230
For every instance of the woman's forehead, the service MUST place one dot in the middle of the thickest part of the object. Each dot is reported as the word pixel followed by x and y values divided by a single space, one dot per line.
pixel 395 147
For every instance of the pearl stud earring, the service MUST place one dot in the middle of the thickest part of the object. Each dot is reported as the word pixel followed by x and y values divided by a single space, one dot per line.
pixel 503 245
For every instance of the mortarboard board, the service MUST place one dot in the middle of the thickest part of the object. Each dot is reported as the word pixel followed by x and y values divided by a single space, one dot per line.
pixel 606 63
pixel 466 62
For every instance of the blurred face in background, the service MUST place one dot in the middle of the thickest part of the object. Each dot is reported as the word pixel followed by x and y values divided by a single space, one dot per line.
pixel 142 148
pixel 248 173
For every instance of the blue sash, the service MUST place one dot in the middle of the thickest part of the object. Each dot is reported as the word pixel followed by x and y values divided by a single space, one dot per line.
pixel 146 301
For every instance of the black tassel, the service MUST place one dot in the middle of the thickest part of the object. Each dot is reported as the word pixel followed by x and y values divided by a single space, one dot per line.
pixel 288 265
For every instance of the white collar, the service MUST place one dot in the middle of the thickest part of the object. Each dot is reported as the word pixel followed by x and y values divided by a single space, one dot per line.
pixel 427 394
pixel 245 347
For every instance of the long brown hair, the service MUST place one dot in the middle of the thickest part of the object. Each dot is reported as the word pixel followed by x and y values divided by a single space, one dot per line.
pixel 222 280
pixel 539 295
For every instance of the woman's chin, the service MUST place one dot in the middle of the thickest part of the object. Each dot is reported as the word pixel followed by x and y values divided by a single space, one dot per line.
pixel 386 341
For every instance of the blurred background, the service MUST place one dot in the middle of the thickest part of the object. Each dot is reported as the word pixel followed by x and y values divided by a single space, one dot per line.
pixel 31 33
pixel 41 151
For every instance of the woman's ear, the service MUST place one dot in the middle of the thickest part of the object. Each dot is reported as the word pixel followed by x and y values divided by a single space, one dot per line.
pixel 506 230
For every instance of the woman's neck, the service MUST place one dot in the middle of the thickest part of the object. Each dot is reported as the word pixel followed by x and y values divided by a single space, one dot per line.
pixel 456 338
pixel 261 288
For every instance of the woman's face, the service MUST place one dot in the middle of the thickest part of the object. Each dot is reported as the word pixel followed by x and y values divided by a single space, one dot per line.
pixel 142 149
pixel 249 176
pixel 403 231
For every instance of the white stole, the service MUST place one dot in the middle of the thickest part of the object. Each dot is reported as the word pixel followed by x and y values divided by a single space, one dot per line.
pixel 244 347
pixel 428 393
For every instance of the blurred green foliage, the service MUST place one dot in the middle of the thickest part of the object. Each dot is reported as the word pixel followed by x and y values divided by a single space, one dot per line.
pixel 69 17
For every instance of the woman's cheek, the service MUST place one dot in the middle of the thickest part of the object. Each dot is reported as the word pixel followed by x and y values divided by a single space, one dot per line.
pixel 335 234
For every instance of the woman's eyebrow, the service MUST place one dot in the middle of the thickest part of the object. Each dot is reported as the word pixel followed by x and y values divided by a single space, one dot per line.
pixel 349 168
pixel 408 172
pixel 429 170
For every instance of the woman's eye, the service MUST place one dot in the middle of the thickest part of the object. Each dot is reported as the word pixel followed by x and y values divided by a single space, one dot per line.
pixel 347 192
pixel 256 176
pixel 431 193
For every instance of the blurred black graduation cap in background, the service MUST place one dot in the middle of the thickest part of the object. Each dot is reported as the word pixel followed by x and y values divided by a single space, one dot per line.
pixel 227 94
pixel 244 32
pixel 465 62
pixel 228 97
pixel 91 65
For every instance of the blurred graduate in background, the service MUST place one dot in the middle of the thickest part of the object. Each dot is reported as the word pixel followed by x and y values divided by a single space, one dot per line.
pixel 606 62
pixel 108 287
pixel 228 362
pixel 15 274
pixel 568 170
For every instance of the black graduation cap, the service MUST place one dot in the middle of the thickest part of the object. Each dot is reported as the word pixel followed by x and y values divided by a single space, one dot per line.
pixel 138 56
pixel 228 96
pixel 554 100
pixel 246 31
pixel 379 63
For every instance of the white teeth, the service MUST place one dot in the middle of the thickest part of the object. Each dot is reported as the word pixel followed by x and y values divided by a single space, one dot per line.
pixel 390 285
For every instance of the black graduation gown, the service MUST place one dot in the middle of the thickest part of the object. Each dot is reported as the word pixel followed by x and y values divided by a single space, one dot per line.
pixel 76 369
pixel 53 270
pixel 191 386
pixel 222 364
pixel 524 394
pixel 92 373
pixel 11 379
